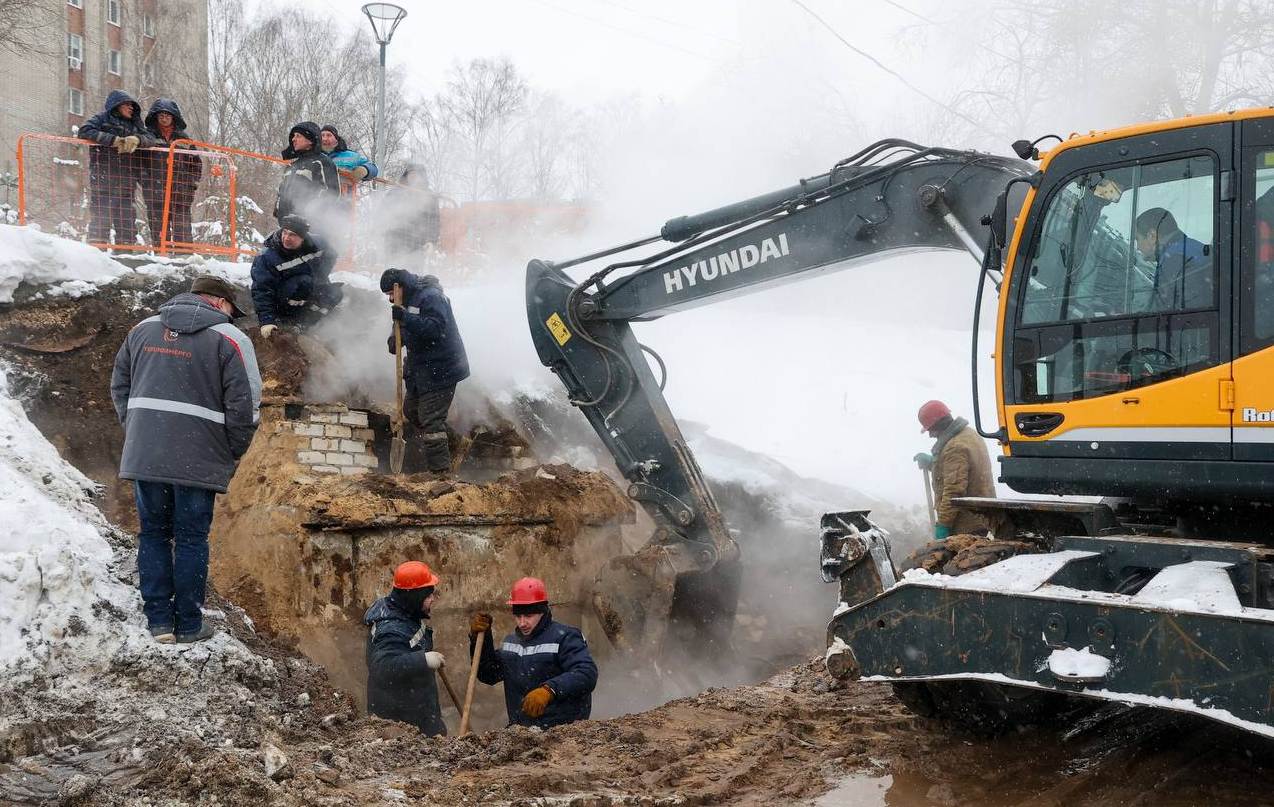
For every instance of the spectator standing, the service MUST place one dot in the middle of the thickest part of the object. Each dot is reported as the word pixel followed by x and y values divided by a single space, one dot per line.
pixel 186 388
pixel 166 124
pixel 412 215
pixel 310 179
pixel 115 168
pixel 345 158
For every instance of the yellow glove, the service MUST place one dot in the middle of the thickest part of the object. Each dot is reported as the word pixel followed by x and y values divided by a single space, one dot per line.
pixel 266 330
pixel 127 145
pixel 479 624
pixel 536 701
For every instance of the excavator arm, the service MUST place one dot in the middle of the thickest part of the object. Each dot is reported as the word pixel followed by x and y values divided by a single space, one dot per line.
pixel 892 197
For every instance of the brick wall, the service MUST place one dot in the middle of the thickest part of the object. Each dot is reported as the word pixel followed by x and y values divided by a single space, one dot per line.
pixel 326 439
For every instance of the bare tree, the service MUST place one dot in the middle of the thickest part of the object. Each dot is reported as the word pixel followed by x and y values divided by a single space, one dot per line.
pixel 481 101
pixel 23 26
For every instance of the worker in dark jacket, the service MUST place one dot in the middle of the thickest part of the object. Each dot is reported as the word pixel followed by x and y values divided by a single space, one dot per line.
pixel 435 361
pixel 290 280
pixel 310 179
pixel 186 387
pixel 359 168
pixel 961 467
pixel 411 215
pixel 165 124
pixel 115 168
pixel 548 673
pixel 401 660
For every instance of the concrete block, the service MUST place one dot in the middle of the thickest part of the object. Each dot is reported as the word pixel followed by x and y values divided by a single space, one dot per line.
pixel 325 469
pixel 339 459
pixel 311 457
pixel 352 446
pixel 325 417
pixel 358 419
pixel 338 431
pixel 310 429
pixel 353 470
pixel 325 444
pixel 364 434
pixel 367 460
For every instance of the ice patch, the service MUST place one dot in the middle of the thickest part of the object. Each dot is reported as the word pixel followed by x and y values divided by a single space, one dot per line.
pixel 1082 665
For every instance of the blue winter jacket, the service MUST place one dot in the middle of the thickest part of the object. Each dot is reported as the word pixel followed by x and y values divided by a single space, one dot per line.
pixel 1183 279
pixel 280 274
pixel 435 356
pixel 554 655
pixel 400 685
pixel 348 160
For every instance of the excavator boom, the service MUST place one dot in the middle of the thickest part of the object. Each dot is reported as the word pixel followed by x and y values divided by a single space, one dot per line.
pixel 892 197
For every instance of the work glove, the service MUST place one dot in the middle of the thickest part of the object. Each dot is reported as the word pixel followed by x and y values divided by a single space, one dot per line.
pixel 924 459
pixel 266 330
pixel 479 624
pixel 941 532
pixel 296 303
pixel 397 313
pixel 360 173
pixel 535 702
pixel 434 659
pixel 127 145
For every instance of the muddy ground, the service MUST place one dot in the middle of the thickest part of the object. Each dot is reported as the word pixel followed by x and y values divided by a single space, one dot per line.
pixel 247 720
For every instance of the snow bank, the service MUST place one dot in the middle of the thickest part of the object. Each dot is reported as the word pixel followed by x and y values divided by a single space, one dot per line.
pixel 26 254
pixel 55 580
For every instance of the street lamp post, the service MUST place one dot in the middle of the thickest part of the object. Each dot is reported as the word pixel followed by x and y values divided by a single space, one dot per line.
pixel 385 18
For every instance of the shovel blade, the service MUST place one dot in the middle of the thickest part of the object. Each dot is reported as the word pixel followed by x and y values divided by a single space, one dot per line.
pixel 397 451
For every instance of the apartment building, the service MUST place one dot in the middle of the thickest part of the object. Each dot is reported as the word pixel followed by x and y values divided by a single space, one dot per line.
pixel 83 49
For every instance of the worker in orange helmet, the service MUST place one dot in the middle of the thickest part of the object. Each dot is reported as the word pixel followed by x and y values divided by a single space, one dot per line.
pixel 401 660
pixel 548 673
pixel 960 465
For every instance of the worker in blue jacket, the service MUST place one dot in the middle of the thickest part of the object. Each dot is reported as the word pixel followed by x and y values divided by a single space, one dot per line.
pixel 346 159
pixel 548 674
pixel 291 279
pixel 401 660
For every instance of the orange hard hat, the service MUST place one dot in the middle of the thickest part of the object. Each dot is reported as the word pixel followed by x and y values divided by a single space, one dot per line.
pixel 414 574
pixel 931 412
pixel 528 591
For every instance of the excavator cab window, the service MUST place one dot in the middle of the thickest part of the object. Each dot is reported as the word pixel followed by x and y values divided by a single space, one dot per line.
pixel 1122 284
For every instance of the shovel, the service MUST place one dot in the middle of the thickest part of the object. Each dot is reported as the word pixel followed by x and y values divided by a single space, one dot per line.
pixel 398 445
pixel 929 497
pixel 473 681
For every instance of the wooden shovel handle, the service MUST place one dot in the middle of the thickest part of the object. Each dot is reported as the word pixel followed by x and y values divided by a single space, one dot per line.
pixel 473 681
pixel 398 360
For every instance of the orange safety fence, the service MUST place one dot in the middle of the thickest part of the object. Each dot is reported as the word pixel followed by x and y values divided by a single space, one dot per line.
pixel 201 198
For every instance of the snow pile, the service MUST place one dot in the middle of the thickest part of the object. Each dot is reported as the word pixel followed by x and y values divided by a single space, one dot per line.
pixel 1081 665
pixel 26 254
pixel 55 579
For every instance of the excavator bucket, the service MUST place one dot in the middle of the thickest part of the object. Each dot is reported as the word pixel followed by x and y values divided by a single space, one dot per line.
pixel 633 598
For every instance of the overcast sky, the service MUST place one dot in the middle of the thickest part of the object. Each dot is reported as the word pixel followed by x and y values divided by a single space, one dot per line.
pixel 592 49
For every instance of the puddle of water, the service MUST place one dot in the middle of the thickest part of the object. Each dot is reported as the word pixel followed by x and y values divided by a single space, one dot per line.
pixel 858 790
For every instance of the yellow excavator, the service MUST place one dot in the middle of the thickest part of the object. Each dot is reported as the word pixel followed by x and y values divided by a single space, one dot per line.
pixel 1134 367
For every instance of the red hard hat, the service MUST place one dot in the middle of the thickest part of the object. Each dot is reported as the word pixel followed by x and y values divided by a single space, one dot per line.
pixel 528 591
pixel 414 574
pixel 931 413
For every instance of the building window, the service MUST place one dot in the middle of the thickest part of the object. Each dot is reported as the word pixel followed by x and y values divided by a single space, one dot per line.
pixel 75 102
pixel 148 26
pixel 115 62
pixel 112 12
pixel 74 51
pixel 75 3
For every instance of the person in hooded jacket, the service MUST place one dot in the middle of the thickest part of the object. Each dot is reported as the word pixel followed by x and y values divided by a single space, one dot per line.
pixel 310 179
pixel 345 158
pixel 115 167
pixel 401 660
pixel 187 389
pixel 165 123
pixel 290 279
pixel 435 360
pixel 548 673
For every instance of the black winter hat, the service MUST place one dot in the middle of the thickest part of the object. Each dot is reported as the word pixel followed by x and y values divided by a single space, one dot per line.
pixel 341 145
pixel 296 224
pixel 306 127
pixel 391 276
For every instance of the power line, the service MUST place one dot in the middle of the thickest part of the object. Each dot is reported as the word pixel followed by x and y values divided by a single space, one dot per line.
pixel 623 30
pixel 673 23
pixel 885 67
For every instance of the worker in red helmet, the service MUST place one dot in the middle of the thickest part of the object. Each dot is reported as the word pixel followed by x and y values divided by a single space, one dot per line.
pixel 548 673
pixel 961 467
pixel 401 659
